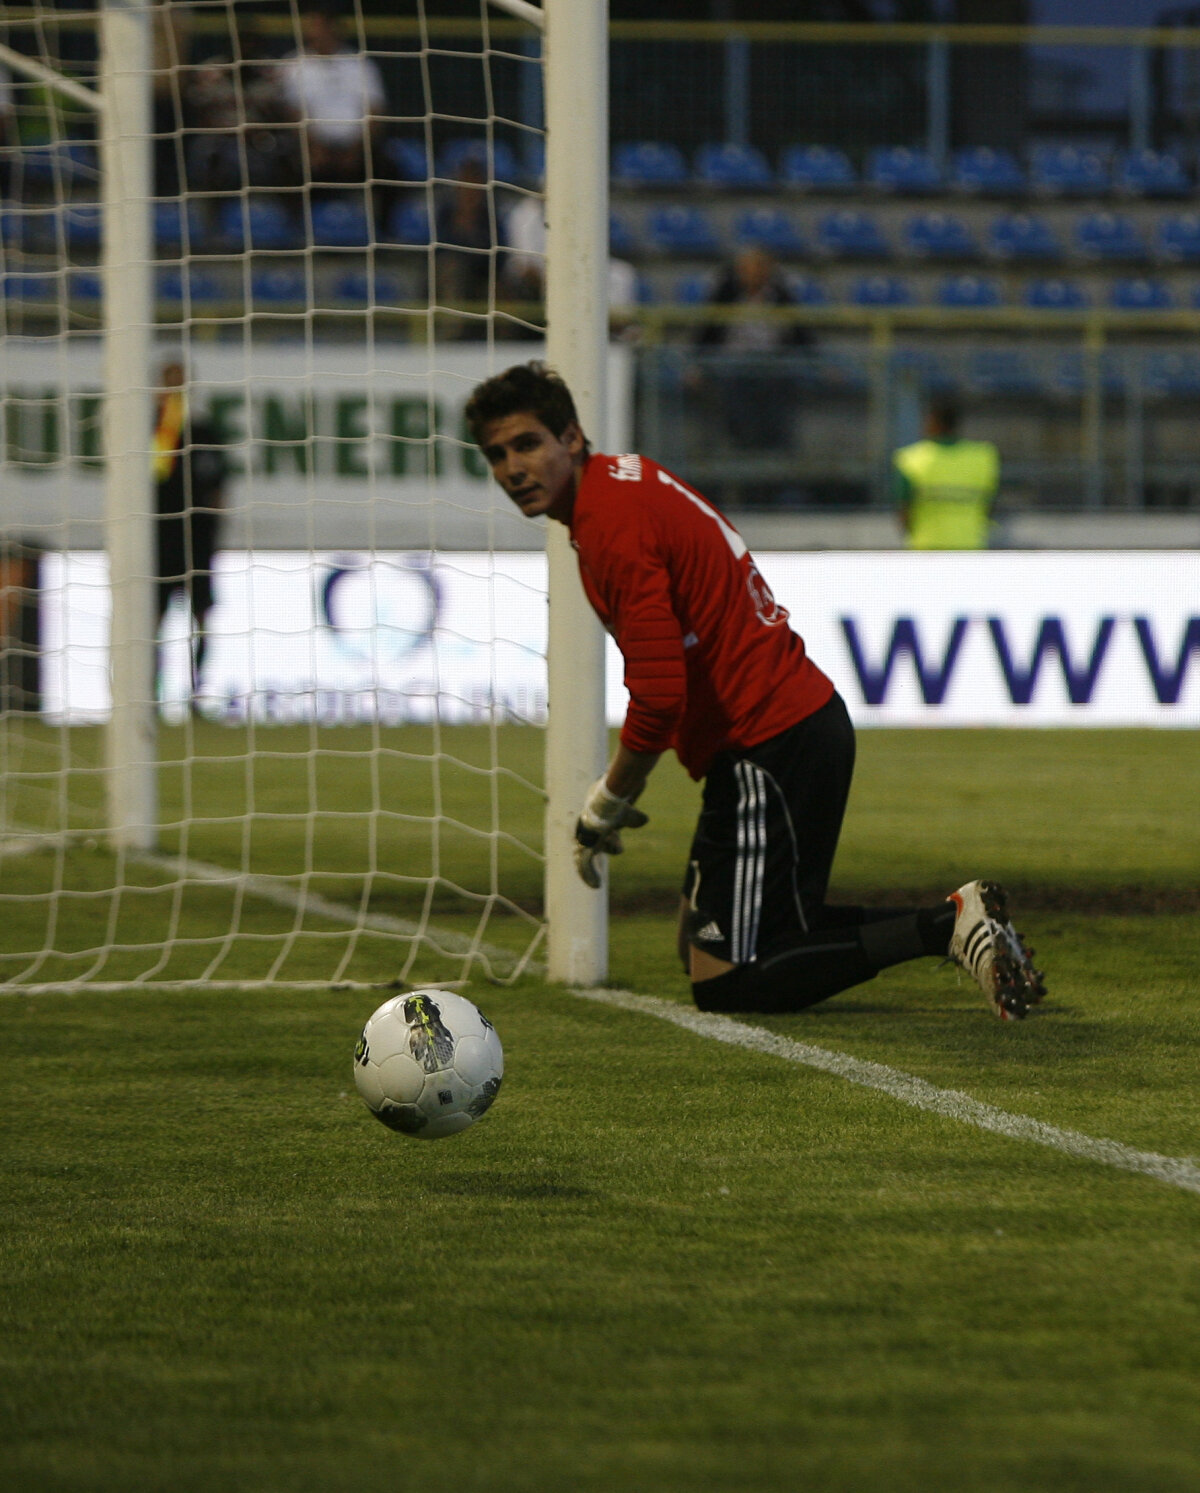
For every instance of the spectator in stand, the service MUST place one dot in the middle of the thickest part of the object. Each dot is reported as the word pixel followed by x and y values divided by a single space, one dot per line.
pixel 238 121
pixel 756 392
pixel 523 274
pixel 945 486
pixel 465 239
pixel 336 94
pixel 189 475
pixel 172 34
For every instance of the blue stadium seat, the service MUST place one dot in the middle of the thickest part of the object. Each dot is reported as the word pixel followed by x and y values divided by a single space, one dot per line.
pixel 681 230
pixel 495 159
pixel 852 235
pixel 1140 295
pixel 408 160
pixel 1177 238
pixel 357 287
pixel 1003 370
pixel 769 228
pixel 532 151
pixel 988 172
pixel 692 290
pixel 969 292
pixel 340 223
pixel 279 286
pixel 1070 373
pixel 1151 173
pixel 1171 373
pixel 622 241
pixel 1109 236
pixel 202 289
pixel 1022 236
pixel 67 162
pixel 816 168
pixel 649 163
pixel 732 166
pixel 899 168
pixel 81 222
pixel 1056 295
pixel 1069 171
pixel 38 289
pixel 258 223
pixel 645 291
pixel 409 223
pixel 939 236
pixel 170 219
pixel 85 285
pixel 806 290
pixel 881 290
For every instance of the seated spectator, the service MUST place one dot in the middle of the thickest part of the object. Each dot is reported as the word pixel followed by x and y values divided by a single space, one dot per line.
pixel 755 394
pixel 523 270
pixel 336 95
pixel 464 243
pixel 237 119
pixel 752 279
pixel 172 35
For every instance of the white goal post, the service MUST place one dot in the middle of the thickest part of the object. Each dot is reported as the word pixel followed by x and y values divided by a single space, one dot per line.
pixel 574 71
pixel 576 85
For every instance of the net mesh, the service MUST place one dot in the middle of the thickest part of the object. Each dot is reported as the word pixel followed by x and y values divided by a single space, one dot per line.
pixel 350 681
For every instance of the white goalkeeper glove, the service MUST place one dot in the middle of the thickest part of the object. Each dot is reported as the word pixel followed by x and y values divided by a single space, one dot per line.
pixel 598 829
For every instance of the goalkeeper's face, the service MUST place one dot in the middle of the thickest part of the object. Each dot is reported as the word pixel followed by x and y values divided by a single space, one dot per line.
pixel 538 470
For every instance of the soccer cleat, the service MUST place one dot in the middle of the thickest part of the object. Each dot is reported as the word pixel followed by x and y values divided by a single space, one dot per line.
pixel 990 949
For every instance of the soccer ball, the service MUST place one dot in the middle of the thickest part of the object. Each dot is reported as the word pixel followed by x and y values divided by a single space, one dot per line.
pixel 428 1064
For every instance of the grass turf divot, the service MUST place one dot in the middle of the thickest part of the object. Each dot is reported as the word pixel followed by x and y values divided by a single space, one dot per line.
pixel 906 1087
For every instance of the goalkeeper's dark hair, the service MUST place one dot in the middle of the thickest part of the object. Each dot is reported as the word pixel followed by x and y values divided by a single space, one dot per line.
pixel 524 389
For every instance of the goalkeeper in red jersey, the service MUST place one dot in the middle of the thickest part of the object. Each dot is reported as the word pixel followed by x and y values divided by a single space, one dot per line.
pixel 715 673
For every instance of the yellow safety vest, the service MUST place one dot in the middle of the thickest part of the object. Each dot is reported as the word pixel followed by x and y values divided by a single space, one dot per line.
pixel 952 486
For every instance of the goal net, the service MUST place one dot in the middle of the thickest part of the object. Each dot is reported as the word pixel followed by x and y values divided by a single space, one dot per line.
pixel 272 646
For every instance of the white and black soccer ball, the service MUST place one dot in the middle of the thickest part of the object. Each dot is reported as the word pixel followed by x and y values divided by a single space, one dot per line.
pixel 428 1064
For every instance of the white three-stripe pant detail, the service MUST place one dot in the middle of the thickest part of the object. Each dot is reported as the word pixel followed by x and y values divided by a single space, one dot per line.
pixel 751 860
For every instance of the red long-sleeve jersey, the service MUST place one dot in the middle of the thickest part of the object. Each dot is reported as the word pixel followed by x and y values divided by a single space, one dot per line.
pixel 710 661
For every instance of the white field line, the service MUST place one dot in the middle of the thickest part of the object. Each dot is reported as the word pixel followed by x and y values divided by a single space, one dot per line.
pixel 283 894
pixel 1177 1171
pixel 908 1089
pixel 280 892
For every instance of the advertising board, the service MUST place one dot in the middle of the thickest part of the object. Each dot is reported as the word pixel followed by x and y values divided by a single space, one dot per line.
pixel 992 639
pixel 327 446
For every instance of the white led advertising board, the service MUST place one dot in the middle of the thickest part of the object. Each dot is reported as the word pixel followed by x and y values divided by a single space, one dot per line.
pixel 993 639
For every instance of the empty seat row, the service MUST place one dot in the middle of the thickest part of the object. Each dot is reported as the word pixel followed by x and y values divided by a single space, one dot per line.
pixel 290 284
pixel 1065 373
pixel 282 285
pixel 1051 170
pixel 851 233
pixel 967 292
pixel 273 223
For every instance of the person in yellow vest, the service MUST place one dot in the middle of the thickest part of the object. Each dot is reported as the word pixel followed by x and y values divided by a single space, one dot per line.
pixel 945 486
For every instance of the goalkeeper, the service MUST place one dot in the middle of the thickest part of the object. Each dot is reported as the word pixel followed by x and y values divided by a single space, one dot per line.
pixel 715 673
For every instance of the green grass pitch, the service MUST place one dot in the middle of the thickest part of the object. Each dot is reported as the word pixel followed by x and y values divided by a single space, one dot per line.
pixel 660 1263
